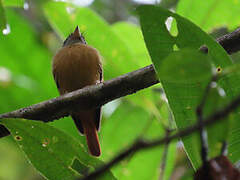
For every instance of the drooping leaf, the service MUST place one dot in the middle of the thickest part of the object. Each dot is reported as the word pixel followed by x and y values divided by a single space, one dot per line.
pixel 161 43
pixel 51 151
pixel 184 76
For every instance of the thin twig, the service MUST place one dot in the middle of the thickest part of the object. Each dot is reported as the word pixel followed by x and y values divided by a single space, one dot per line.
pixel 202 131
pixel 164 157
pixel 141 144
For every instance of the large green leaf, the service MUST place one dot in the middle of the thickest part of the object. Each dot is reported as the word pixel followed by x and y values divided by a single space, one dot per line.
pixel 184 76
pixel 51 151
pixel 211 14
pixel 191 71
pixel 161 43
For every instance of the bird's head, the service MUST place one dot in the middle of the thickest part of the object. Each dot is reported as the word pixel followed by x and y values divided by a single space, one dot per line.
pixel 75 37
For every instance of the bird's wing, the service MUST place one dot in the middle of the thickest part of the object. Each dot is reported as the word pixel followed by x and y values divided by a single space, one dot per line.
pixel 98 110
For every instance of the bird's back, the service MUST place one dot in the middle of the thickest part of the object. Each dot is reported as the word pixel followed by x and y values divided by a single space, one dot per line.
pixel 75 67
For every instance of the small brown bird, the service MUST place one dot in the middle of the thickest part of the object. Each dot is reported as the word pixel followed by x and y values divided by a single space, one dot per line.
pixel 75 66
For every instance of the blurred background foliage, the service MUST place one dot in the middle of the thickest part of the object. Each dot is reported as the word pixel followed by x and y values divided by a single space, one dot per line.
pixel 32 31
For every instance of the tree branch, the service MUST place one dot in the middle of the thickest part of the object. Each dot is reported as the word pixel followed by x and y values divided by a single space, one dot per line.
pixel 88 97
pixel 230 42
pixel 97 95
pixel 142 145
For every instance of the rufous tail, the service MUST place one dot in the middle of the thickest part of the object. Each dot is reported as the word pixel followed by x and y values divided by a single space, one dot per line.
pixel 84 121
pixel 92 137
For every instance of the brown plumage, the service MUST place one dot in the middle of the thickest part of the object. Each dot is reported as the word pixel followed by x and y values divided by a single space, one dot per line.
pixel 75 66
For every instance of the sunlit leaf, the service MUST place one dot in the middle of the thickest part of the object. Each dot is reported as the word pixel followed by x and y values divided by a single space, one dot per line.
pixel 211 14
pixel 132 36
pixel 13 3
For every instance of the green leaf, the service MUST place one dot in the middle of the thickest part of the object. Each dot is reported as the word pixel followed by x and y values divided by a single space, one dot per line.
pixel 216 100
pixel 51 151
pixel 3 21
pixel 27 72
pixel 120 130
pixel 161 44
pixel 155 130
pixel 185 67
pixel 213 14
pixel 13 3
pixel 13 165
pixel 117 58
pixel 184 76
pixel 132 36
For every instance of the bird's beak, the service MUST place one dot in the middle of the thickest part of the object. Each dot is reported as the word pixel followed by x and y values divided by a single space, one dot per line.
pixel 76 32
